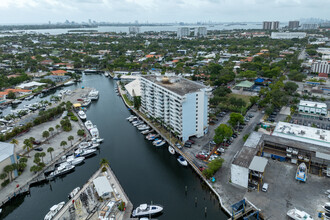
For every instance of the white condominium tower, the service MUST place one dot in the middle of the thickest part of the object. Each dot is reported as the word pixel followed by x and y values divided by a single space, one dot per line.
pixel 177 102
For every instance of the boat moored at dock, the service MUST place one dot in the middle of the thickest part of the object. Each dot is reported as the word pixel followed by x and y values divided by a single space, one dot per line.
pixel 82 115
pixel 298 215
pixel 54 210
pixel 146 210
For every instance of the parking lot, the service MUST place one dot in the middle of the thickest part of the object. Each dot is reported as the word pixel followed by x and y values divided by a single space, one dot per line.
pixel 311 121
pixel 285 192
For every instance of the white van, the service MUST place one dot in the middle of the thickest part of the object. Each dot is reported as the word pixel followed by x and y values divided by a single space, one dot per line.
pixel 265 187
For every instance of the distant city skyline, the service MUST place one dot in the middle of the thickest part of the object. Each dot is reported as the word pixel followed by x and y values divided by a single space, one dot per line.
pixel 158 11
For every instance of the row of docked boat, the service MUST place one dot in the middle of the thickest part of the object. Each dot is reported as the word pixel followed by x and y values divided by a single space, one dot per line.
pixel 145 129
pixel 93 131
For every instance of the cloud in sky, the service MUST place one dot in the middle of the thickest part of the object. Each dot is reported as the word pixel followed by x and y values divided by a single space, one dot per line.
pixel 41 11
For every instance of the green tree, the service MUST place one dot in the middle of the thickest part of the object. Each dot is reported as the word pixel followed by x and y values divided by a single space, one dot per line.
pixel 45 134
pixel 235 118
pixel 70 138
pixel 254 100
pixel 14 141
pixel 290 87
pixel 58 128
pixel 63 143
pixel 51 129
pixel 104 162
pixel 222 132
pixel 9 170
pixel 50 150
pixel 3 176
pixel 11 95
pixel 42 155
pixel 81 132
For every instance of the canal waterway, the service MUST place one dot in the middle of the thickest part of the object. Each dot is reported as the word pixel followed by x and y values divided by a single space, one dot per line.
pixel 146 173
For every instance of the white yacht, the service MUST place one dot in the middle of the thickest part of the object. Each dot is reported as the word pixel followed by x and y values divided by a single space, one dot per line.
pixel 298 215
pixel 82 115
pixel 145 210
pixel 171 149
pixel 94 132
pixel 93 95
pixel 69 83
pixel 89 125
pixel 84 152
pixel 97 140
pixel 53 210
pixel 74 160
pixel 86 102
pixel 61 170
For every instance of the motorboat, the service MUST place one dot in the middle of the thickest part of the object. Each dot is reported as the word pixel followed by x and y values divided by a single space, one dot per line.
pixel 85 152
pixel 161 143
pixel 106 74
pixel 156 141
pixel 326 207
pixel 86 102
pixel 134 118
pixel 144 127
pixel 82 115
pixel 153 137
pixel 69 83
pixel 75 160
pixel 73 192
pixel 54 210
pixel 130 117
pixel 326 215
pixel 301 174
pixel 93 145
pixel 93 95
pixel 97 140
pixel 137 123
pixel 298 215
pixel 89 125
pixel 29 97
pixel 145 131
pixel 16 102
pixel 146 210
pixel 64 168
pixel 84 145
pixel 171 149
pixel 182 161
pixel 94 132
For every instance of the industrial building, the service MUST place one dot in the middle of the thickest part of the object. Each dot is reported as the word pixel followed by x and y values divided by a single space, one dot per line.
pixel 176 102
pixel 316 108
pixel 287 35
pixel 7 157
pixel 270 25
pixel 288 143
pixel 183 32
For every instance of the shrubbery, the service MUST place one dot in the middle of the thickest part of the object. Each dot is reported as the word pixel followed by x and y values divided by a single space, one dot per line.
pixel 213 167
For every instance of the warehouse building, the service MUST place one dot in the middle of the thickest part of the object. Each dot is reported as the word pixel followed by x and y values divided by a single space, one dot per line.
pixel 316 108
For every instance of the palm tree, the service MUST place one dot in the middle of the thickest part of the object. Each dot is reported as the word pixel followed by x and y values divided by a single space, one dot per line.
pixel 63 143
pixel 51 129
pixel 50 150
pixel 45 134
pixel 3 176
pixel 58 127
pixel 14 141
pixel 42 155
pixel 70 138
pixel 9 170
pixel 104 162
pixel 28 146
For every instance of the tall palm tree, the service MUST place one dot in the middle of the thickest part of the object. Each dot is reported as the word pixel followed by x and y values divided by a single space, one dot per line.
pixel 51 129
pixel 50 150
pixel 9 170
pixel 63 143
pixel 14 141
pixel 58 127
pixel 42 155
pixel 70 138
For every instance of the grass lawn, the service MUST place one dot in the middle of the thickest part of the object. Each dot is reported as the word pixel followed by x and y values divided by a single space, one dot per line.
pixel 246 98
pixel 127 100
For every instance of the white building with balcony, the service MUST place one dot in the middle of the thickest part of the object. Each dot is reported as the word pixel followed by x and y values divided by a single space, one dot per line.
pixel 176 102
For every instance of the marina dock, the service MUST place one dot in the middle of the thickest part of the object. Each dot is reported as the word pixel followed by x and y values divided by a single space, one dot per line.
pixel 87 204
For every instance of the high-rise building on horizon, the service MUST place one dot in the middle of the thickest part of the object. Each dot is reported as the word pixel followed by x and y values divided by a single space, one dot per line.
pixel 270 25
pixel 200 32
pixel 176 102
pixel 134 30
pixel 309 26
pixel 293 25
pixel 183 32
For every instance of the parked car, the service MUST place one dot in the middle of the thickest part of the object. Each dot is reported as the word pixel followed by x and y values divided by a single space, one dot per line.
pixel 38 149
pixel 221 150
pixel 187 144
pixel 36 142
pixel 265 187
pixel 178 145
pixel 212 142
pixel 190 141
pixel 200 156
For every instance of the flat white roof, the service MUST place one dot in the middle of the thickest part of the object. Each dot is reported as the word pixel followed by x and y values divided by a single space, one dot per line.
pixel 134 86
pixel 102 186
pixel 302 133
pixel 6 150
pixel 312 104
pixel 253 140
pixel 258 164
pixel 31 84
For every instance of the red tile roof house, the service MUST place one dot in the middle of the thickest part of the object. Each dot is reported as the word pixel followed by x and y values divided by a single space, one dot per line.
pixel 47 62
pixel 18 92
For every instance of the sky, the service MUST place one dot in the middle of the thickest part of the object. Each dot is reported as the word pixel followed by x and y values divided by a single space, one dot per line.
pixel 42 11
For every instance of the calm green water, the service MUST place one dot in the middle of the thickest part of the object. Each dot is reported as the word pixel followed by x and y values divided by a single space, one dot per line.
pixel 146 173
